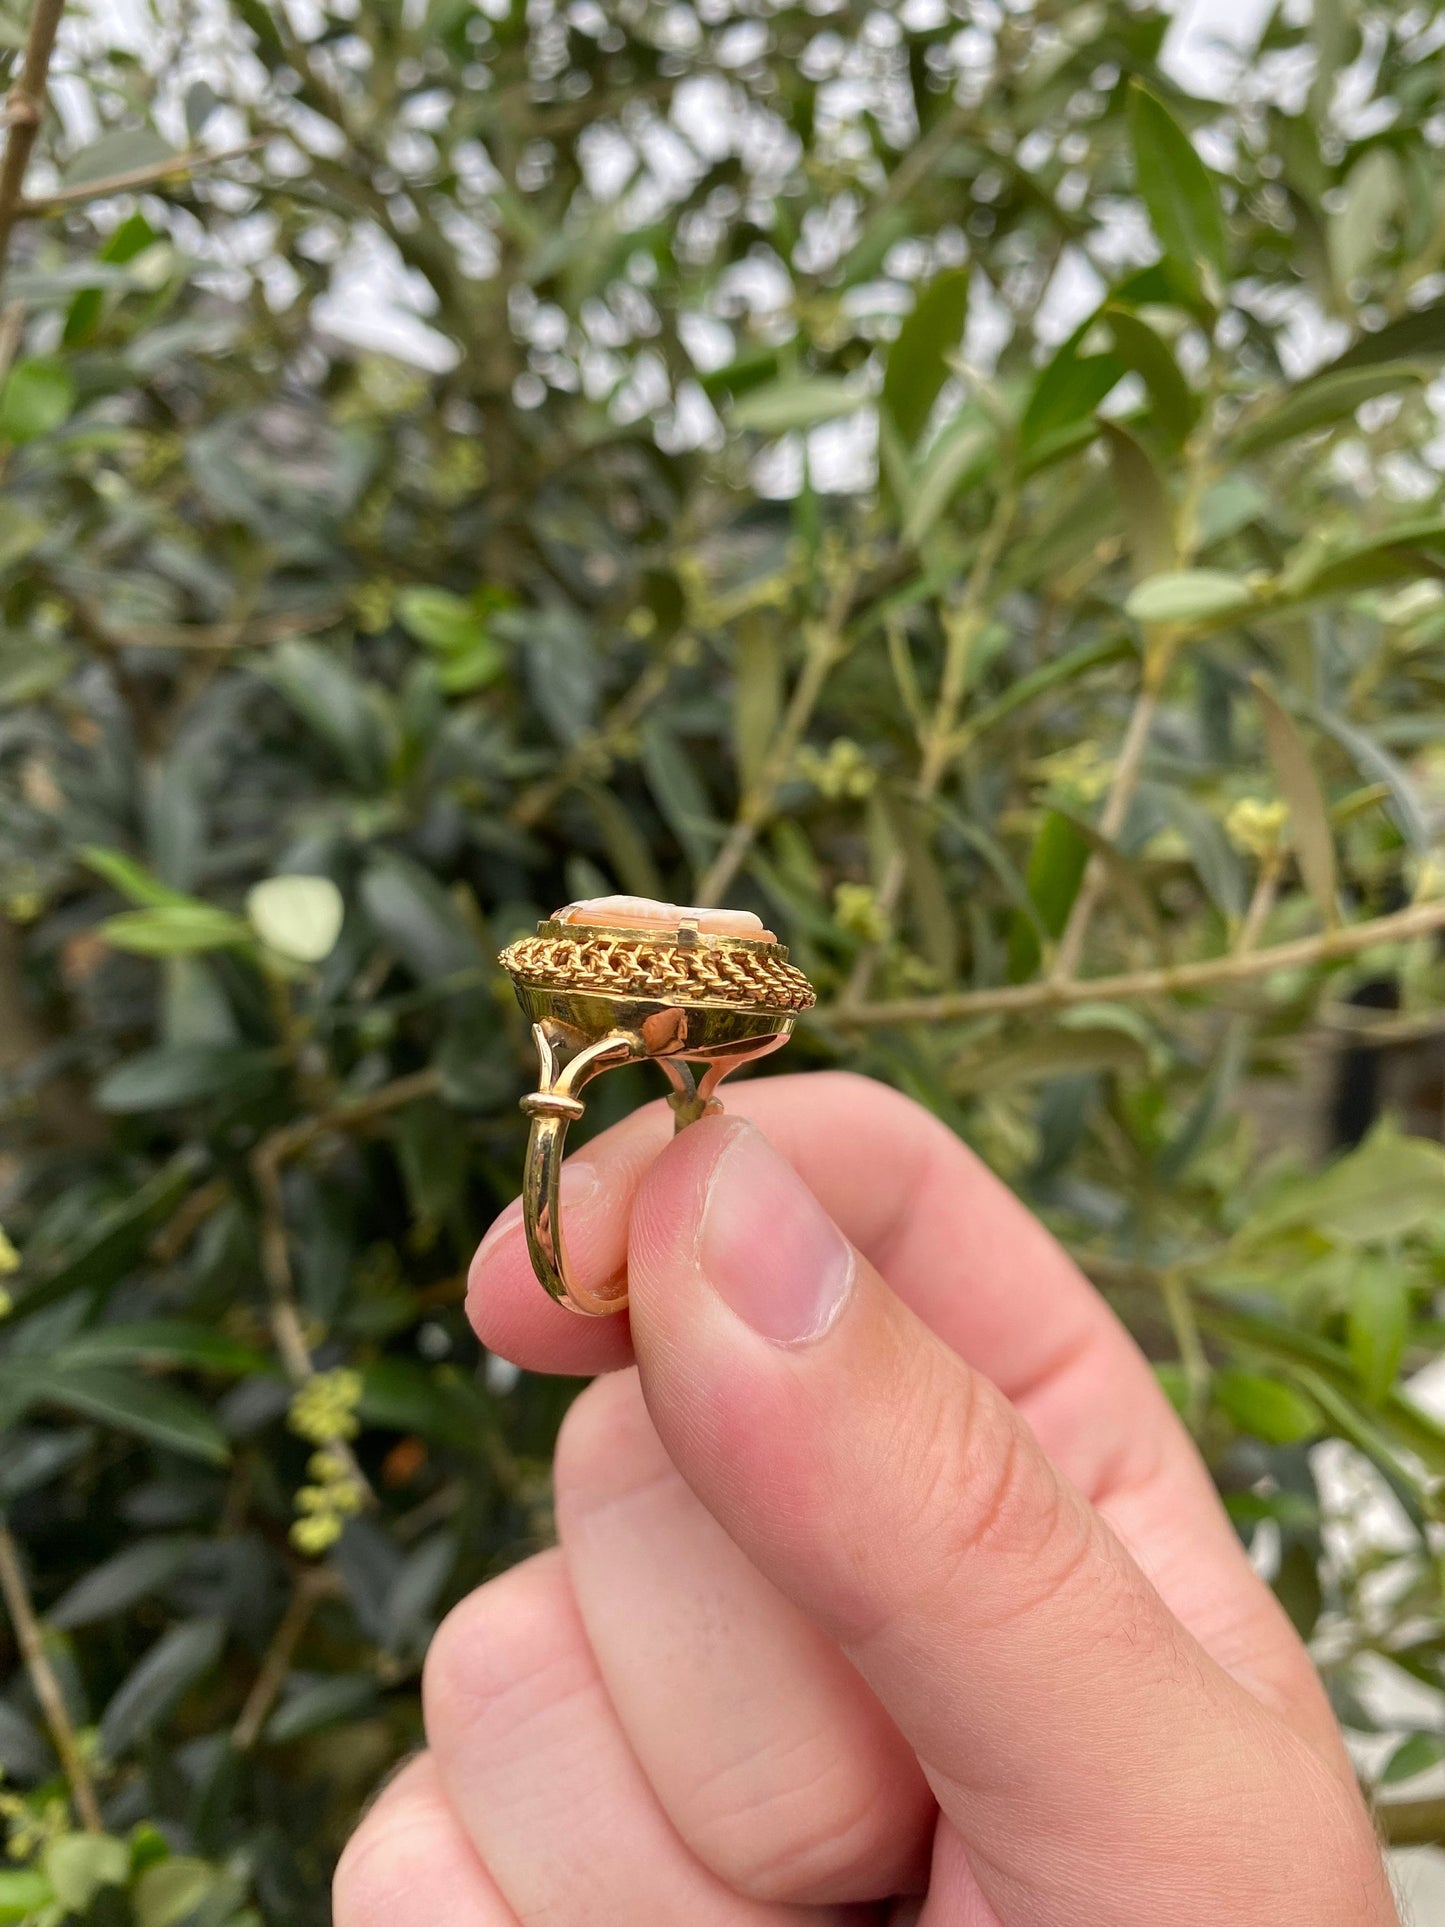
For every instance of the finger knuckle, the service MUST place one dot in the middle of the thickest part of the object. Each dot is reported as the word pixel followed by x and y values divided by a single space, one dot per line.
pixel 607 1449
pixel 794 1824
pixel 974 1491
pixel 379 1868
pixel 501 1642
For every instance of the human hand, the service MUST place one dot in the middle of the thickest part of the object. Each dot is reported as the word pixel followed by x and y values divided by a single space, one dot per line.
pixel 889 1571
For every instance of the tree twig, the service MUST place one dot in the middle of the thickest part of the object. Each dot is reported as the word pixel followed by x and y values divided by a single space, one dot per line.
pixel 534 803
pixel 824 647
pixel 133 178
pixel 25 107
pixel 1054 993
pixel 1261 902
pixel 1111 822
pixel 256 632
pixel 939 740
pixel 1411 1823
pixel 266 1162
pixel 313 1584
pixel 31 1641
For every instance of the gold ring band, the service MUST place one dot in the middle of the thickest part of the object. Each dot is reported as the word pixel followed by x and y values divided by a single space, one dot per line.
pixel 622 979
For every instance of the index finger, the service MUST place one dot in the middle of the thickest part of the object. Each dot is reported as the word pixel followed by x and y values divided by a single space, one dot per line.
pixel 946 1235
pixel 976 1266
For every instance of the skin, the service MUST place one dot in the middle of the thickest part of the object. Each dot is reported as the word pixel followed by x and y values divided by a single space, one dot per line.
pixel 889 1587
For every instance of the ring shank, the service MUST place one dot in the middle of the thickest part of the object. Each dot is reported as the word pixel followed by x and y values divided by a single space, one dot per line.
pixel 542 1210
pixel 719 1041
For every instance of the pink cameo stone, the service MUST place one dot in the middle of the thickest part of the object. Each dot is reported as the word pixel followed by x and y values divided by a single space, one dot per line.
pixel 642 913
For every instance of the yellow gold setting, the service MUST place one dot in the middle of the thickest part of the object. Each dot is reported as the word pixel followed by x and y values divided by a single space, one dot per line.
pixel 652 984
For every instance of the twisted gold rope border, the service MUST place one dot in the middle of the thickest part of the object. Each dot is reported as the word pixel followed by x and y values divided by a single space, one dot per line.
pixel 628 968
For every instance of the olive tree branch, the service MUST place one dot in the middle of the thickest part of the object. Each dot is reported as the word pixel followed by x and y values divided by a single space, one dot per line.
pixel 31 1642
pixel 1261 902
pixel 938 738
pixel 134 178
pixel 1161 646
pixel 1056 993
pixel 313 1584
pixel 600 743
pixel 24 109
pixel 1411 1823
pixel 267 1161
pixel 824 644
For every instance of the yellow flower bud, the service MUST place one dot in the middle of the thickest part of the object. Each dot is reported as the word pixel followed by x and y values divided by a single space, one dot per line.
pixel 324 1409
pixel 317 1533
pixel 857 910
pixel 1256 826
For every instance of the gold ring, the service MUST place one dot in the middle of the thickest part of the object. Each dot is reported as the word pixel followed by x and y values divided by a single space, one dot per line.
pixel 617 979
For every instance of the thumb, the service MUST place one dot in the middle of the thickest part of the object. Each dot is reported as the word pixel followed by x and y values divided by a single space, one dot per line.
pixel 1096 1762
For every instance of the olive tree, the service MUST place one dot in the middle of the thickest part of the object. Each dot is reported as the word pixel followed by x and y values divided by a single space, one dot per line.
pixel 941 476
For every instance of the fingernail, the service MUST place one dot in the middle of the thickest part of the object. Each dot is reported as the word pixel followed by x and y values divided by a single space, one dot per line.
pixel 767 1246
pixel 578 1183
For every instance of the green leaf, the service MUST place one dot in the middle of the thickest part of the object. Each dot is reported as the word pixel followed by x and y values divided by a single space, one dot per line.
pixel 1065 396
pixel 1314 840
pixel 963 453
pixel 118 152
pixel 407 1397
pixel 1144 501
pixel 20 534
pixel 1214 857
pixel 327 694
pixel 448 623
pixel 1181 196
pixel 1055 871
pixel 1189 596
pixel 625 842
pixel 38 398
pixel 299 917
pixel 1357 228
pixel 117 1583
pixel 1379 1321
pixel 183 1074
pixel 787 405
pixel 322 1703
pixel 153 1687
pixel 1278 1413
pixel 1413 1756
pixel 1325 400
pixel 78 1865
pixel 172 1890
pixel 131 879
pixel 417 919
pixel 1376 764
pixel 1174 405
pixel 1391 1185
pixel 116 1243
pixel 150 1411
pixel 24 1894
pixel 174 930
pixel 678 792
pixel 165 1341
pixel 1063 669
pixel 757 697
pixel 1297 1587
pixel 918 360
pixel 1420 335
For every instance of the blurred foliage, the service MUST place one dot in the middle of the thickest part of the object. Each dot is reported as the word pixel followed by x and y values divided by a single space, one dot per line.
pixel 911 470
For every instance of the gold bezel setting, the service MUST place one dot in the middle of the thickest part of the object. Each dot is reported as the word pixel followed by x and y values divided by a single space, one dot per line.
pixel 689 968
pixel 600 995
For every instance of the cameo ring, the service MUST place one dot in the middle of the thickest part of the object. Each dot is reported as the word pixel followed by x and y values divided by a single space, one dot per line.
pixel 616 979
